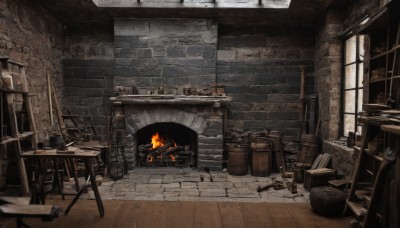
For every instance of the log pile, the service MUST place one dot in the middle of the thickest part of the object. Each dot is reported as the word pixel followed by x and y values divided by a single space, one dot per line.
pixel 166 155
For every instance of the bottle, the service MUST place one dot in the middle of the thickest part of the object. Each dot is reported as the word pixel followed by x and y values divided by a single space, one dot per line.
pixel 294 186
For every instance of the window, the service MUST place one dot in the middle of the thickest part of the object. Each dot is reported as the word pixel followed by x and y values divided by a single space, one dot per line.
pixel 352 83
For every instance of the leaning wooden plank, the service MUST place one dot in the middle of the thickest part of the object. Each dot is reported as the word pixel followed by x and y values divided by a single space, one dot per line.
pixel 316 162
pixel 324 161
pixel 57 108
pixel 15 200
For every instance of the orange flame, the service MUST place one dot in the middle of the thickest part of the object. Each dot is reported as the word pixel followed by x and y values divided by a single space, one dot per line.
pixel 157 141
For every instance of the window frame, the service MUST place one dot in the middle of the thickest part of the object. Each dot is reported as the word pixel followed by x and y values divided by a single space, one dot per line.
pixel 358 86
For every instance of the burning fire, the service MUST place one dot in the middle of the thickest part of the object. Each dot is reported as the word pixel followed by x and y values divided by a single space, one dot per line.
pixel 157 141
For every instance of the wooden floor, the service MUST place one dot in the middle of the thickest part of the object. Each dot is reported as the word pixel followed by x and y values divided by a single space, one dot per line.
pixel 160 214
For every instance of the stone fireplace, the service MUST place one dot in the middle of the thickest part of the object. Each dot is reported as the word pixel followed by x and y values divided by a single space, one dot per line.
pixel 197 121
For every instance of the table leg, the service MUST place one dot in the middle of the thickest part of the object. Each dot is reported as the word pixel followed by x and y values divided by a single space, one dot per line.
pixel 73 170
pixel 57 178
pixel 42 179
pixel 89 169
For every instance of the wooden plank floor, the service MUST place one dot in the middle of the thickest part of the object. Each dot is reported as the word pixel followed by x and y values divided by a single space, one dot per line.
pixel 188 214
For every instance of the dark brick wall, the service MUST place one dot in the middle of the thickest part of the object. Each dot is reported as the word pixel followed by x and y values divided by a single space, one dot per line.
pixel 260 67
pixel 88 72
pixel 30 35
pixel 168 52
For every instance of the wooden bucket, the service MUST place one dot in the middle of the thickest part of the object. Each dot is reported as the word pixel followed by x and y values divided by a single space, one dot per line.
pixel 238 160
pixel 261 162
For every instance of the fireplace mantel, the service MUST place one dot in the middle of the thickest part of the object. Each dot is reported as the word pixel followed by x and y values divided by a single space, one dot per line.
pixel 204 115
pixel 170 99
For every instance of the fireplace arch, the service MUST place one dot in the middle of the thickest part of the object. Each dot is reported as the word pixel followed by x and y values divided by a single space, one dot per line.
pixel 150 116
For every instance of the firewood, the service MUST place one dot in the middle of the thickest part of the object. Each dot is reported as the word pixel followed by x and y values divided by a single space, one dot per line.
pixel 173 150
pixel 163 148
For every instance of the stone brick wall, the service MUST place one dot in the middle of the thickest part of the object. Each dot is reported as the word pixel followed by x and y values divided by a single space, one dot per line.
pixel 168 52
pixel 30 35
pixel 328 73
pixel 88 72
pixel 260 67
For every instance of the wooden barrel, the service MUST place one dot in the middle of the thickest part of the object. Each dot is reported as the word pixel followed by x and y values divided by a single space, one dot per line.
pixel 309 145
pixel 259 143
pixel 261 162
pixel 238 160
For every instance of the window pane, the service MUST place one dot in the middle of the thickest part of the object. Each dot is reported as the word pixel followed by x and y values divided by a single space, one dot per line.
pixel 360 74
pixel 349 101
pixel 350 77
pixel 360 100
pixel 361 47
pixel 349 124
pixel 351 50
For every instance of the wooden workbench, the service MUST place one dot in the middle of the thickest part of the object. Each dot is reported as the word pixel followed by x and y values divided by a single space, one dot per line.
pixel 86 155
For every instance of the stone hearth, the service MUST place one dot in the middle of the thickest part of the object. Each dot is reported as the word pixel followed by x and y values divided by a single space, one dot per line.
pixel 202 114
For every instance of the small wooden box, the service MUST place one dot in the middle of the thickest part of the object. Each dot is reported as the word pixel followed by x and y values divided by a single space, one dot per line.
pixel 318 177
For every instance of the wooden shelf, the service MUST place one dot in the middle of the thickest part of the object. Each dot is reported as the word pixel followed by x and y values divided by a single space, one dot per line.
pixel 385 53
pixel 8 140
pixel 20 136
pixel 384 79
pixel 377 157
pixel 5 90
pixel 25 134
pixel 394 129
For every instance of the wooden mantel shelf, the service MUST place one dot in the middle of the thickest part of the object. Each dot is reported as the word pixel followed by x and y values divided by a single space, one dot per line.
pixel 170 99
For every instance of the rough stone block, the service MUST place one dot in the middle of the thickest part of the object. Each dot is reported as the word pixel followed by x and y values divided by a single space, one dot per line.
pixel 123 61
pixel 176 51
pixel 209 52
pixel 226 55
pixel 209 146
pixel 131 27
pixel 194 51
pixel 125 53
pixel 210 157
pixel 210 140
pixel 126 71
pixel 254 124
pixel 143 53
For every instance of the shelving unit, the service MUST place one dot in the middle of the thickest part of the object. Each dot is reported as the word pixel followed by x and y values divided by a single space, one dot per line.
pixel 384 71
pixel 371 190
pixel 14 98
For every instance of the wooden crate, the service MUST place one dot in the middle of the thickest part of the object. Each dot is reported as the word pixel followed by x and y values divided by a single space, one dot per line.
pixel 318 177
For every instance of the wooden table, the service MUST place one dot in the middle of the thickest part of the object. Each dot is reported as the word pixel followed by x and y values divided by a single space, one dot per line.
pixel 86 155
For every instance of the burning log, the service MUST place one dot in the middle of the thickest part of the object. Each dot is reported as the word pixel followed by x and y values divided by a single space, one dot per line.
pixel 145 147
pixel 163 148
pixel 173 150
pixel 166 154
